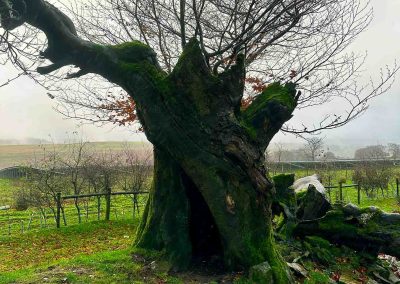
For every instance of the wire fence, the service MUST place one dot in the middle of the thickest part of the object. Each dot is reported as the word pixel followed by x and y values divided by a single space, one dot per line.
pixel 73 209
pixel 355 193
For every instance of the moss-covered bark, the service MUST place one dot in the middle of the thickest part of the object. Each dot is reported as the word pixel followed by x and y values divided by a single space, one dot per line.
pixel 165 222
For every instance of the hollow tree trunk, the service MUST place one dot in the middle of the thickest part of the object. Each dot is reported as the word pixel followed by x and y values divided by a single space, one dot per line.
pixel 211 194
pixel 233 224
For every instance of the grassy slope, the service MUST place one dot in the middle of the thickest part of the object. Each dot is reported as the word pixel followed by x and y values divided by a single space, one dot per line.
pixel 11 155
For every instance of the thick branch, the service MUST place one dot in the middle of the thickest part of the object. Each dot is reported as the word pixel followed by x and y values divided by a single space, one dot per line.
pixel 66 48
pixel 269 111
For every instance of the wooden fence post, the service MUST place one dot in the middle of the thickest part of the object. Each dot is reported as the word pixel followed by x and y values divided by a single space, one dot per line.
pixel 340 191
pixel 108 203
pixel 58 214
pixel 397 187
pixel 358 193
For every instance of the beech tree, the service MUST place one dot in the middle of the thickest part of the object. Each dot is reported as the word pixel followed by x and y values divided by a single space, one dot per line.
pixel 211 83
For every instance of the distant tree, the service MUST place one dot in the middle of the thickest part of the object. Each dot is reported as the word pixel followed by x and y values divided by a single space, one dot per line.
pixel 135 172
pixel 394 150
pixel 72 161
pixel 44 180
pixel 313 147
pixel 329 155
pixel 374 152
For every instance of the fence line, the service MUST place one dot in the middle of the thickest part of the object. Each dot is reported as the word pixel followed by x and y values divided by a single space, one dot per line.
pixel 44 217
pixel 358 187
pixel 59 210
pixel 106 194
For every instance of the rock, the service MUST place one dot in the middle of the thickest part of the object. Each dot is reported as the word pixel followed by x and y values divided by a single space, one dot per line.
pixel 303 183
pixel 297 268
pixel 312 205
pixel 261 273
pixel 5 207
pixel 285 197
pixel 351 210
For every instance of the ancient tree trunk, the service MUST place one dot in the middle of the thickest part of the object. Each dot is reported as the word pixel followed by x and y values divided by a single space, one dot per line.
pixel 211 194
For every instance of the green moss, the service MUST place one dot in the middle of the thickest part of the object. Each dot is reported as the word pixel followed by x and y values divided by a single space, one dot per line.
pixel 270 109
pixel 134 51
pixel 275 92
pixel 317 278
pixel 284 193
pixel 250 129
pixel 300 195
pixel 194 80
pixel 155 76
pixel 321 250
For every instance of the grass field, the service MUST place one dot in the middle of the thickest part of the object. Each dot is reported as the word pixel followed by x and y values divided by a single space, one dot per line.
pixel 12 155
pixel 97 252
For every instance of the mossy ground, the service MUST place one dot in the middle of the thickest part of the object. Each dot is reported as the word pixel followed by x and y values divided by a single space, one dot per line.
pixel 325 262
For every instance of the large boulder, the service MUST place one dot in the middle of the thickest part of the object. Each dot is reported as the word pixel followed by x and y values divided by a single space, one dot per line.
pixel 303 183
pixel 312 204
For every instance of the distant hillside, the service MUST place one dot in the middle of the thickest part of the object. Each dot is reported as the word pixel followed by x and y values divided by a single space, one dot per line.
pixel 13 155
pixel 25 141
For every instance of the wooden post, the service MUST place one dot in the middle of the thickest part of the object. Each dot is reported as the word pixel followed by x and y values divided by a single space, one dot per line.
pixel 358 193
pixel 340 191
pixel 397 187
pixel 108 203
pixel 58 214
pixel 30 221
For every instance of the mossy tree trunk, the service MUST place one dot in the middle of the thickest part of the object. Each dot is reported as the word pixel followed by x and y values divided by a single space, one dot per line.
pixel 211 193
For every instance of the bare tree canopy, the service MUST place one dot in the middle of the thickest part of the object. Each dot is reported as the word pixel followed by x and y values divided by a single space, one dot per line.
pixel 303 42
pixel 313 147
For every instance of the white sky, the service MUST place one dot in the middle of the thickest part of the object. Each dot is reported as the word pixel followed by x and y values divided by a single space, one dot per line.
pixel 26 111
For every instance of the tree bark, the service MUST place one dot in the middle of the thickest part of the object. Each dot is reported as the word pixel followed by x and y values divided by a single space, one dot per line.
pixel 211 194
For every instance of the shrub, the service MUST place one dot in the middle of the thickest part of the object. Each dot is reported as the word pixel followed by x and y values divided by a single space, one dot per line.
pixel 21 200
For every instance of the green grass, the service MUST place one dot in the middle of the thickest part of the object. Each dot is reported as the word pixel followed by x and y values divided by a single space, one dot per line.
pixel 6 192
pixel 97 252
pixel 49 245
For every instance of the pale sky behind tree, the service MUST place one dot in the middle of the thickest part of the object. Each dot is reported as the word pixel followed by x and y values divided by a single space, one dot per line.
pixel 27 111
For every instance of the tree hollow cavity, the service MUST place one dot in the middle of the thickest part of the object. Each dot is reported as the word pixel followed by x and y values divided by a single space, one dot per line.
pixel 203 231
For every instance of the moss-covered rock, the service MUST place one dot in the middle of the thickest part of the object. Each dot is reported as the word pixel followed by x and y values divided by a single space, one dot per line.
pixel 261 273
pixel 366 229
pixel 312 205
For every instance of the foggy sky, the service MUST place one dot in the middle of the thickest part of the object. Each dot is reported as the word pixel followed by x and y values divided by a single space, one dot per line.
pixel 26 110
